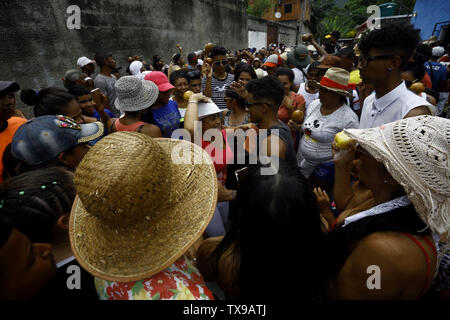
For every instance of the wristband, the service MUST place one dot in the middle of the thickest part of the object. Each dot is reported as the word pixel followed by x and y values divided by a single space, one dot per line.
pixel 192 101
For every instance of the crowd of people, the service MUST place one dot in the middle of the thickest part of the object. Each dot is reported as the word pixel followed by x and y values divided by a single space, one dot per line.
pixel 94 206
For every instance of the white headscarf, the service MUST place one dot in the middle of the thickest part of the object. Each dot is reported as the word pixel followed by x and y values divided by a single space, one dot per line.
pixel 135 69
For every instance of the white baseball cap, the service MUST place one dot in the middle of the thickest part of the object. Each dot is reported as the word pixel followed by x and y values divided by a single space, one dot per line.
pixel 83 61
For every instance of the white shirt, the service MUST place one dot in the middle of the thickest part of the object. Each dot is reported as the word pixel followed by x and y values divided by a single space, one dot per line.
pixel 309 97
pixel 299 77
pixel 391 107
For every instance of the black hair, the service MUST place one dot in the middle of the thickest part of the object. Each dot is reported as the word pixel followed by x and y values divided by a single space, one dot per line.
pixel 232 94
pixel 271 230
pixel 179 74
pixel 176 58
pixel 156 58
pixel 417 68
pixel 346 53
pixel 244 67
pixel 218 51
pixel 33 201
pixel 100 58
pixel 193 74
pixel 78 91
pixel 329 47
pixel 313 66
pixel 49 101
pixel 397 38
pixel 425 50
pixel 191 57
pixel 268 88
pixel 285 72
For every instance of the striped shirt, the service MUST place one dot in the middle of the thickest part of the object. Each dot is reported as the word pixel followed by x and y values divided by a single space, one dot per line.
pixel 218 88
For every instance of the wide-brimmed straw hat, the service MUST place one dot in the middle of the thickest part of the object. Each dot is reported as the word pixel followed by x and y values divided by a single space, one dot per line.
pixel 134 94
pixel 416 152
pixel 139 206
pixel 336 80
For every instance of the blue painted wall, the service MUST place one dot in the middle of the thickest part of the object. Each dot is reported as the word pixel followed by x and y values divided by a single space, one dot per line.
pixel 429 12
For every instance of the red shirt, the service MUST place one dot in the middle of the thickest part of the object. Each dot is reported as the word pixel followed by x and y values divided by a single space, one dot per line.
pixel 221 158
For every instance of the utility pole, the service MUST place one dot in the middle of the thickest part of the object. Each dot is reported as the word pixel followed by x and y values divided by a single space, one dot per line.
pixel 299 23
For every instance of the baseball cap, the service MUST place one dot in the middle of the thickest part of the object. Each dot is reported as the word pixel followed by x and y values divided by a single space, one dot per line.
pixel 299 57
pixel 273 60
pixel 9 86
pixel 160 79
pixel 44 138
pixel 83 61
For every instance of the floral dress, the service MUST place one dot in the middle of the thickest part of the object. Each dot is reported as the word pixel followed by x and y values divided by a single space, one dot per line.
pixel 180 281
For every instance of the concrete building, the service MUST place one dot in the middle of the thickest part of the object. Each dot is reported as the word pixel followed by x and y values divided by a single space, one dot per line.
pixel 283 22
pixel 38 47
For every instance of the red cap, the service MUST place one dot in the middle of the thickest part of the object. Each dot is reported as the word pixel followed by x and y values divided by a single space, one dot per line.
pixel 160 80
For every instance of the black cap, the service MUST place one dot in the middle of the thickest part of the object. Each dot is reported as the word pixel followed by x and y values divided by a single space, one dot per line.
pixel 9 86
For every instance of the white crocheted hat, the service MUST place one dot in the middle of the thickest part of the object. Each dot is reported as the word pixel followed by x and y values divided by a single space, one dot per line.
pixel 416 152
pixel 134 94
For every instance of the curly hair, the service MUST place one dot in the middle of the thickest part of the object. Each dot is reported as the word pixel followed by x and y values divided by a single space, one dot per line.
pixel 399 39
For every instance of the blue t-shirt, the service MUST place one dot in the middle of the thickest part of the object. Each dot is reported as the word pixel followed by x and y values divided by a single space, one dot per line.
pixel 439 73
pixel 167 118
pixel 107 111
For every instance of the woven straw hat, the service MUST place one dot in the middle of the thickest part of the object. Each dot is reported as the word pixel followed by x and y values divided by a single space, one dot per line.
pixel 137 211
pixel 134 94
pixel 416 153
pixel 335 79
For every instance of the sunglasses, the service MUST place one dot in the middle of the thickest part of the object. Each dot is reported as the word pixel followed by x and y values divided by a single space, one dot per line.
pixel 223 62
pixel 248 105
pixel 364 60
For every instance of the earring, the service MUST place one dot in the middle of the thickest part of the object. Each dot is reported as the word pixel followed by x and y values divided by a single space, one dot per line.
pixel 385 181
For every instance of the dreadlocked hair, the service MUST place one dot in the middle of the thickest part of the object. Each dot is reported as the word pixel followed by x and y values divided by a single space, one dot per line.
pixel 33 201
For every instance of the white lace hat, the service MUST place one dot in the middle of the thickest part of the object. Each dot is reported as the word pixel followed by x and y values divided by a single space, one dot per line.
pixel 416 152
pixel 134 94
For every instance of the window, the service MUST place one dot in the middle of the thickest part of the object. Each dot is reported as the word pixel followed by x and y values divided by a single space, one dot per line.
pixel 288 8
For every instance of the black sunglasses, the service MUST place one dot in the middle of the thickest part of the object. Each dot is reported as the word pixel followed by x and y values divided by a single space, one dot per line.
pixel 364 60
pixel 223 62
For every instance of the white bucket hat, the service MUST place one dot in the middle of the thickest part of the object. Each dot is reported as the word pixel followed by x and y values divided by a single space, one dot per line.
pixel 134 94
pixel 207 109
pixel 416 152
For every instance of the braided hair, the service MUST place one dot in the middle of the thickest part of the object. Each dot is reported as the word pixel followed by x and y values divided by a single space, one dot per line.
pixel 33 201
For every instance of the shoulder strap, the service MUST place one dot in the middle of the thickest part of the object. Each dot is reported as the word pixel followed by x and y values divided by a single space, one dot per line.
pixel 139 129
pixel 112 127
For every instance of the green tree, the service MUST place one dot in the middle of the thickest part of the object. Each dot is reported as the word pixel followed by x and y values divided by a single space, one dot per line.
pixel 258 7
pixel 320 9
